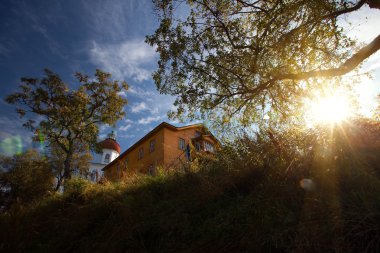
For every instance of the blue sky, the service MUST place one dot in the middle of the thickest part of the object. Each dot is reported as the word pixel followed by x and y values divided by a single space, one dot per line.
pixel 82 35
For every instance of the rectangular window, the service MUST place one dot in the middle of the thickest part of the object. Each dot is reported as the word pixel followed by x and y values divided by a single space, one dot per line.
pixel 197 146
pixel 209 147
pixel 152 146
pixel 151 170
pixel 107 158
pixel 141 153
pixel 181 144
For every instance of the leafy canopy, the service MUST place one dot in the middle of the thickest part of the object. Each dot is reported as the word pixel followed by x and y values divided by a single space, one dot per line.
pixel 240 58
pixel 70 119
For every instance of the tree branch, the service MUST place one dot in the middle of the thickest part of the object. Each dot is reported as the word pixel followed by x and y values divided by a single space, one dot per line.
pixel 346 67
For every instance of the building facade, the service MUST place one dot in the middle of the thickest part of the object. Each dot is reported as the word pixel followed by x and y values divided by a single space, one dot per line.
pixel 165 146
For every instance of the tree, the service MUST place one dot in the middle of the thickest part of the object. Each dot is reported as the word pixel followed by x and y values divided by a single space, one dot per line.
pixel 24 178
pixel 70 119
pixel 80 161
pixel 245 57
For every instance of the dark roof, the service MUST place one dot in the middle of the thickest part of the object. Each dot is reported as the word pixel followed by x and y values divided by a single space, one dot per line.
pixel 148 135
pixel 110 144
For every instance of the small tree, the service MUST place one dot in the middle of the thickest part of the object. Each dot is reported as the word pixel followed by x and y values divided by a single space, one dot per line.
pixel 24 178
pixel 70 118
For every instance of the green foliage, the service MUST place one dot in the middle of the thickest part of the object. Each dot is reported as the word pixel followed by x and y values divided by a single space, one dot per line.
pixel 234 203
pixel 80 161
pixel 70 119
pixel 24 179
pixel 238 59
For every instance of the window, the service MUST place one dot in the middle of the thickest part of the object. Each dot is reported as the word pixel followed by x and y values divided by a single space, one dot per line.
pixel 94 176
pixel 188 152
pixel 181 144
pixel 151 170
pixel 107 158
pixel 197 146
pixel 141 153
pixel 209 147
pixel 152 146
pixel 197 133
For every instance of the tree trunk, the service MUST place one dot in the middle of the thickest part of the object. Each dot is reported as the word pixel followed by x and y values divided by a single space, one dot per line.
pixel 59 183
pixel 67 166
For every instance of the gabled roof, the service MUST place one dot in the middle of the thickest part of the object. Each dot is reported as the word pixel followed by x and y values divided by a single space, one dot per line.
pixel 148 135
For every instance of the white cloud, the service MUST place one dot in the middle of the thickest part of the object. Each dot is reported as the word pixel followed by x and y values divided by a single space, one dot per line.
pixel 141 93
pixel 122 93
pixel 125 128
pixel 111 20
pixel 142 106
pixel 127 136
pixel 150 119
pixel 175 122
pixel 139 107
pixel 128 59
pixel 128 121
pixel 103 127
pixel 102 137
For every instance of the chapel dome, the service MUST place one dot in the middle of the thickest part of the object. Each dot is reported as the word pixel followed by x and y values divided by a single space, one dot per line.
pixel 110 143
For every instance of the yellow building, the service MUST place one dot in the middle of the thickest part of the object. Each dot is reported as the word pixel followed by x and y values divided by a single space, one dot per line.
pixel 166 146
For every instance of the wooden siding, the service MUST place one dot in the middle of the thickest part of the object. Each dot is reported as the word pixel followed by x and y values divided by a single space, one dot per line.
pixel 167 153
pixel 134 164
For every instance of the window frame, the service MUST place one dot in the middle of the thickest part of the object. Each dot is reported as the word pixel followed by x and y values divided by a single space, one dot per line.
pixel 107 158
pixel 141 153
pixel 198 146
pixel 152 146
pixel 209 146
pixel 180 141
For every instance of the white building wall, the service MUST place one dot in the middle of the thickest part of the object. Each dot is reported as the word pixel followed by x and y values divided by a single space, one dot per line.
pixel 113 154
pixel 99 162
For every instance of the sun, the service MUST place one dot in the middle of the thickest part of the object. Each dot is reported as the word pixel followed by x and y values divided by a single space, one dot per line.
pixel 330 108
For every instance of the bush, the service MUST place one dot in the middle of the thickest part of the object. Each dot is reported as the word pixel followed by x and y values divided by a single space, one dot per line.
pixel 24 179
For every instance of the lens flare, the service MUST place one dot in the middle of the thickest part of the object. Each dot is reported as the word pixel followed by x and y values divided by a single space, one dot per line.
pixel 11 145
pixel 307 184
pixel 39 137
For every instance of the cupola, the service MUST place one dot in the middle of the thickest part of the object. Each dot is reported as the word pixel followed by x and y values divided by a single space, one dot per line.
pixel 110 143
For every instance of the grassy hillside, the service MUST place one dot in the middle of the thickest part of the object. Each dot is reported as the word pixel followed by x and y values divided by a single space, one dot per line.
pixel 248 199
